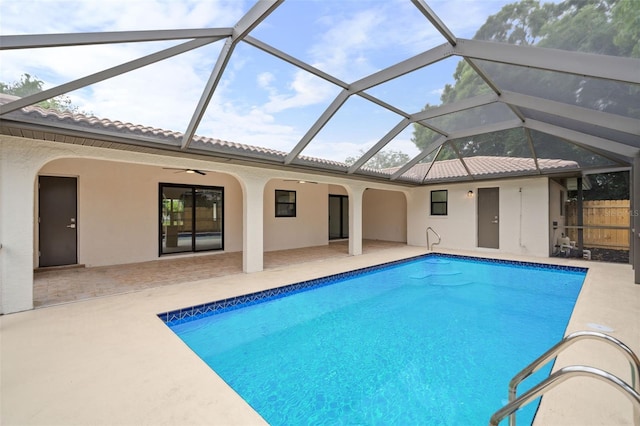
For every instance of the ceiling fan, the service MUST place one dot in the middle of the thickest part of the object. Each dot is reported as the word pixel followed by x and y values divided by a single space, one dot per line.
pixel 299 181
pixel 200 172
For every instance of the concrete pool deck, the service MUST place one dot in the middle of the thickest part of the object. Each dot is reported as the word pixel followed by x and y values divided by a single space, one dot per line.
pixel 111 361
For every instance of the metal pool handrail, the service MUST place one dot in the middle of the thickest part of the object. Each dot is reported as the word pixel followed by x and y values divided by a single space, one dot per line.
pixel 634 362
pixel 559 377
pixel 430 247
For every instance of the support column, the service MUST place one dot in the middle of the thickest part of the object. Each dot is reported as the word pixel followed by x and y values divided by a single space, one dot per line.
pixel 355 219
pixel 253 223
pixel 635 217
pixel 580 242
pixel 17 185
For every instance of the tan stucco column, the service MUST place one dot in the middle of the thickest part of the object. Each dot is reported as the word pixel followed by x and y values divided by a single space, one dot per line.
pixel 635 219
pixel 417 214
pixel 355 218
pixel 253 222
pixel 19 164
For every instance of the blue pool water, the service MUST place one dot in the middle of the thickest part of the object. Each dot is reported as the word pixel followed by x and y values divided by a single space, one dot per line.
pixel 430 341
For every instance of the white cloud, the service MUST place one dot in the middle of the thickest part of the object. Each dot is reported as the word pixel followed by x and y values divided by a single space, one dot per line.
pixel 465 17
pixel 223 121
pixel 339 49
pixel 265 79
pixel 305 90
pixel 60 16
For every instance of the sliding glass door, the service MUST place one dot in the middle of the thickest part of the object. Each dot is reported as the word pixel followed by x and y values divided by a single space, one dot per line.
pixel 191 218
pixel 338 217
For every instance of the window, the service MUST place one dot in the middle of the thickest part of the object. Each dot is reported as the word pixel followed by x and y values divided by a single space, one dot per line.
pixel 439 203
pixel 190 218
pixel 285 203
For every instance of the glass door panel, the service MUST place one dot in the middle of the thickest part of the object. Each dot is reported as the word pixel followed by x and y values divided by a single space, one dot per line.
pixel 338 217
pixel 208 219
pixel 345 217
pixel 334 217
pixel 176 219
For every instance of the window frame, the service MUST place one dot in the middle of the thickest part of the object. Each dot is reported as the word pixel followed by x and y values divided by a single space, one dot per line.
pixel 444 203
pixel 292 205
pixel 193 188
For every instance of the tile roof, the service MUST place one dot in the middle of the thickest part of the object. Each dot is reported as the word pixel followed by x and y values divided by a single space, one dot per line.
pixel 479 166
pixel 485 166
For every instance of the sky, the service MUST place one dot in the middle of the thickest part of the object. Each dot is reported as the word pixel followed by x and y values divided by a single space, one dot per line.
pixel 260 99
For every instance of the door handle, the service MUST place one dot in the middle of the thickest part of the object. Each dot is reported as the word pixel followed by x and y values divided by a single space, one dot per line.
pixel 494 221
pixel 73 225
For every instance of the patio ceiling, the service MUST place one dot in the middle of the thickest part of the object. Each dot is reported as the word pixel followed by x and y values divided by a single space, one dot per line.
pixel 544 129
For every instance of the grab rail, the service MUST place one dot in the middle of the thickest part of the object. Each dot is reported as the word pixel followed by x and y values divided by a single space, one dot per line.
pixel 559 377
pixel 634 362
pixel 437 235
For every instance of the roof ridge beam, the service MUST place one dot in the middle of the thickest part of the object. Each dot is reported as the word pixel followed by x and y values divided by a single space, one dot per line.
pixel 573 112
pixel 461 159
pixel 254 17
pixel 487 128
pixel 248 22
pixel 458 106
pixel 207 93
pixel 416 62
pixel 584 139
pixel 578 63
pixel 33 41
pixel 492 84
pixel 435 157
pixel 428 150
pixel 422 6
pixel 318 125
pixel 534 154
pixel 103 75
pixel 381 144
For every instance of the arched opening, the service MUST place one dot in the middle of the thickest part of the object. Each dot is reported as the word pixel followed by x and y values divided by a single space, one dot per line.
pixel 93 214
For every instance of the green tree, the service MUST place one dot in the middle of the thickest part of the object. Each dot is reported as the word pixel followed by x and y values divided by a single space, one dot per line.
pixel 626 15
pixel 28 85
pixel 606 186
pixel 609 27
pixel 384 159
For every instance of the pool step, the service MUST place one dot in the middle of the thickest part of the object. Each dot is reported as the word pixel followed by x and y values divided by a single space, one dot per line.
pixel 434 274
pixel 449 278
pixel 437 261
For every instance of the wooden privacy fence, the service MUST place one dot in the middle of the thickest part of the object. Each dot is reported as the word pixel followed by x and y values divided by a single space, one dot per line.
pixel 604 213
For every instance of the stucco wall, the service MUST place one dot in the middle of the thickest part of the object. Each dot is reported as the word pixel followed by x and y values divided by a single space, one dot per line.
pixel 384 215
pixel 524 216
pixel 118 215
pixel 337 190
pixel 310 227
pixel 118 208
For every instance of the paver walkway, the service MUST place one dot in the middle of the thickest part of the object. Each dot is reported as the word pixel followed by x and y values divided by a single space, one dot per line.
pixel 51 287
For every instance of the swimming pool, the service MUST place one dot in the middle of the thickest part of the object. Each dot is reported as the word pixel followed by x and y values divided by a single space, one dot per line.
pixel 430 340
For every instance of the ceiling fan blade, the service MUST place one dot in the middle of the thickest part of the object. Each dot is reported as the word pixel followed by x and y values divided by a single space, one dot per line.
pixel 179 170
pixel 300 181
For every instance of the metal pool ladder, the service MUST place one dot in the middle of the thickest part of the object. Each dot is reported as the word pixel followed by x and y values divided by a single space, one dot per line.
pixel 515 403
pixel 430 247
